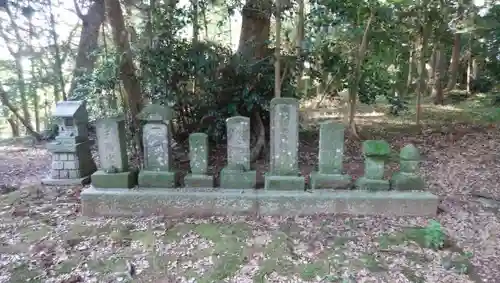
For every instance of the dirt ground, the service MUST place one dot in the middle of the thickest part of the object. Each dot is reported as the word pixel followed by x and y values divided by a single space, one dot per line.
pixel 43 237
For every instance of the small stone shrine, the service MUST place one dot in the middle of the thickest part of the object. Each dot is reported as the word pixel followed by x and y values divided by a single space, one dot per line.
pixel 111 143
pixel 72 161
pixel 376 153
pixel 237 174
pixel 157 171
pixel 408 177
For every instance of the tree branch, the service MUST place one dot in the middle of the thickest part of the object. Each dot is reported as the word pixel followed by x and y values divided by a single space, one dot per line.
pixel 78 11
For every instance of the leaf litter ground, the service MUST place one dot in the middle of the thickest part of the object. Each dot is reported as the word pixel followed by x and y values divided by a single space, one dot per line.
pixel 43 238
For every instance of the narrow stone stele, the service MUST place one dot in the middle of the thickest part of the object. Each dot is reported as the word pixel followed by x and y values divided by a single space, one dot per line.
pixel 237 174
pixel 114 172
pixel 331 153
pixel 198 162
pixel 284 171
pixel 157 172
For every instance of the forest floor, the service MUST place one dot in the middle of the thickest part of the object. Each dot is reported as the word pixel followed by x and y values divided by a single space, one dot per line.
pixel 43 238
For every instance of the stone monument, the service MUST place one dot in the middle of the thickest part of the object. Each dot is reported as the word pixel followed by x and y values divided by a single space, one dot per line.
pixel 198 162
pixel 284 167
pixel 237 173
pixel 408 177
pixel 331 153
pixel 376 152
pixel 157 171
pixel 111 143
pixel 72 162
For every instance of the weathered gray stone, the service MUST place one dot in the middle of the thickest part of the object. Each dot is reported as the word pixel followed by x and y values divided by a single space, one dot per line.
pixel 376 152
pixel 157 172
pixel 331 153
pixel 408 177
pixel 205 202
pixel 237 172
pixel 198 161
pixel 284 167
pixel 111 144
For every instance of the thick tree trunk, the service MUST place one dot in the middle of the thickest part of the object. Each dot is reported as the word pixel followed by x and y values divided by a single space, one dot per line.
pixel 298 45
pixel 437 90
pixel 252 46
pixel 131 84
pixel 14 127
pixel 85 58
pixel 424 39
pixel 454 64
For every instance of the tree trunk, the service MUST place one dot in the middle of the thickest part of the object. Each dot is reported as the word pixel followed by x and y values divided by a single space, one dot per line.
pixel 6 102
pixel 454 64
pixel 299 40
pixel 128 77
pixel 59 88
pixel 14 127
pixel 426 30
pixel 356 77
pixel 253 45
pixel 85 58
pixel 437 90
pixel 409 79
pixel 277 51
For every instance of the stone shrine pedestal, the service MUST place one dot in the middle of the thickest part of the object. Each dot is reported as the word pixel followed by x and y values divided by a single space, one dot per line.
pixel 71 164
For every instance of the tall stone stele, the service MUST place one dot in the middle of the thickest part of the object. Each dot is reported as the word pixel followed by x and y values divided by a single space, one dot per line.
pixel 237 173
pixel 111 143
pixel 157 171
pixel 284 171
pixel 71 158
pixel 198 161
pixel 408 177
pixel 331 155
pixel 376 152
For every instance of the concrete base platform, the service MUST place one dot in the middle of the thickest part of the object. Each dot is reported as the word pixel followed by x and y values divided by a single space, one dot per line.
pixel 202 202
pixel 65 182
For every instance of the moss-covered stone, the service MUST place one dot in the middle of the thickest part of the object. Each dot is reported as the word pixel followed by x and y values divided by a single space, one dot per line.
pixel 158 179
pixel 103 180
pixel 237 179
pixel 274 182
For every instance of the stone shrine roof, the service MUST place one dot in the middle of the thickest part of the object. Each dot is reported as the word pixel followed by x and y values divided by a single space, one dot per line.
pixel 70 109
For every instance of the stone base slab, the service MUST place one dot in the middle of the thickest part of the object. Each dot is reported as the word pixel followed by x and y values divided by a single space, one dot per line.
pixel 330 181
pixel 407 182
pixel 274 182
pixel 158 179
pixel 198 181
pixel 189 202
pixel 232 179
pixel 101 179
pixel 65 182
pixel 372 184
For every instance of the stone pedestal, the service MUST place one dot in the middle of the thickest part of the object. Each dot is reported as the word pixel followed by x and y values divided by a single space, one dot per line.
pixel 320 180
pixel 158 179
pixel 237 178
pixel 71 165
pixel 198 181
pixel 124 180
pixel 284 167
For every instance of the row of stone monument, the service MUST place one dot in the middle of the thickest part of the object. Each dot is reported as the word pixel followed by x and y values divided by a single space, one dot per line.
pixel 72 162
